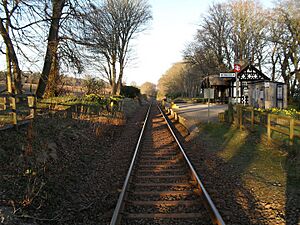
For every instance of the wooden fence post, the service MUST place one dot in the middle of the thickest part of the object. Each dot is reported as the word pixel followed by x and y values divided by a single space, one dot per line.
pixel 88 110
pixel 240 116
pixel 175 116
pixel 4 103
pixel 252 118
pixel 292 124
pixel 76 111
pixel 32 105
pixel 70 112
pixel 14 110
pixel 269 127
pixel 230 113
pixel 7 103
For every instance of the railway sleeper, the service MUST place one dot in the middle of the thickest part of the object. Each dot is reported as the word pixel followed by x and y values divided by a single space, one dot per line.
pixel 167 203
pixel 173 187
pixel 158 219
pixel 163 197
pixel 158 157
pixel 160 166
pixel 165 208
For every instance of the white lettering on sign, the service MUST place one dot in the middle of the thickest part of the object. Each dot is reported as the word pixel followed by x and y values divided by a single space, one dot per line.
pixel 227 75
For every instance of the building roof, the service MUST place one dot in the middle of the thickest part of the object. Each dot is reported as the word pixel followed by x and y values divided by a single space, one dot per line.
pixel 215 80
pixel 250 73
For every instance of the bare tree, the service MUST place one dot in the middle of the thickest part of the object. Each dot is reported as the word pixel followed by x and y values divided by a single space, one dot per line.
pixel 19 21
pixel 148 89
pixel 50 68
pixel 192 80
pixel 249 30
pixel 7 14
pixel 170 83
pixel 111 28
pixel 242 31
pixel 284 38
pixel 229 33
pixel 214 32
pixel 62 43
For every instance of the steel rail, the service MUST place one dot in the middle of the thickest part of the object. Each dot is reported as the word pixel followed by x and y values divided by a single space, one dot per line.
pixel 217 218
pixel 116 216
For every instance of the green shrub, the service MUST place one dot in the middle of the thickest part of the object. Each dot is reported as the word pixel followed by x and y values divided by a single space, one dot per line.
pixel 198 100
pixel 92 98
pixel 130 91
pixel 284 112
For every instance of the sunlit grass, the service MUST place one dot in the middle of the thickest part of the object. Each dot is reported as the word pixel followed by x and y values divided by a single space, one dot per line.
pixel 233 143
pixel 5 119
pixel 269 171
pixel 251 152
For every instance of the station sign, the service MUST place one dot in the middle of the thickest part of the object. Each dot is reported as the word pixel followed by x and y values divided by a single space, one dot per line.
pixel 227 75
pixel 209 93
pixel 237 68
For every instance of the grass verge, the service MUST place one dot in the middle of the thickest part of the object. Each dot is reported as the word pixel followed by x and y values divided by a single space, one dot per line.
pixel 269 171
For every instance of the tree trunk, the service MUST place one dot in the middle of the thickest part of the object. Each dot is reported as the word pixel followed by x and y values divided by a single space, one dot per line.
pixel 273 61
pixel 114 85
pixel 284 73
pixel 12 57
pixel 10 85
pixel 52 46
pixel 119 83
pixel 51 88
pixel 9 82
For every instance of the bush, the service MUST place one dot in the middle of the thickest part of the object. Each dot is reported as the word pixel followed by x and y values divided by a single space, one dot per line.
pixel 173 95
pixel 93 85
pixel 130 91
pixel 284 112
pixel 199 100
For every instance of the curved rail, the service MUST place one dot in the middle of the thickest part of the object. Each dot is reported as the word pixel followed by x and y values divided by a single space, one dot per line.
pixel 216 217
pixel 116 215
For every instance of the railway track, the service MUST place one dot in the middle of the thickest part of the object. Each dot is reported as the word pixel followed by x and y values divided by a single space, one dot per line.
pixel 161 186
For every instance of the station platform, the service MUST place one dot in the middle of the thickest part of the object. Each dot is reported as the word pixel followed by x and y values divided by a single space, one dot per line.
pixel 191 114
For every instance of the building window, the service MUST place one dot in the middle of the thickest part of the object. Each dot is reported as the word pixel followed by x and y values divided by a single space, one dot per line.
pixel 279 92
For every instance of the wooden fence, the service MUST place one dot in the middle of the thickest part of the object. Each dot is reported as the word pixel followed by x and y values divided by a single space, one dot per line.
pixel 17 105
pixel 12 105
pixel 76 110
pixel 285 125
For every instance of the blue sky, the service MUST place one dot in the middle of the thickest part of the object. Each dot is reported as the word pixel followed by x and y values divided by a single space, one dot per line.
pixel 174 24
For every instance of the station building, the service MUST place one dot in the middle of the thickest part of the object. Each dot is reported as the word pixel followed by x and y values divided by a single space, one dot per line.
pixel 249 86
